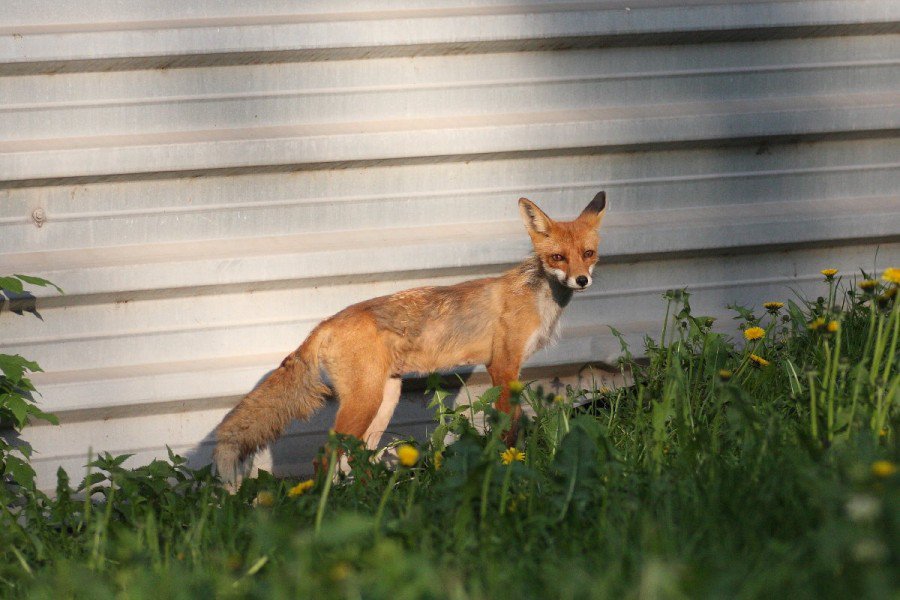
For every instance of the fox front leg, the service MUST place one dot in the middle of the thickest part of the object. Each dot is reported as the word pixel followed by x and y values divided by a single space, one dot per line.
pixel 503 369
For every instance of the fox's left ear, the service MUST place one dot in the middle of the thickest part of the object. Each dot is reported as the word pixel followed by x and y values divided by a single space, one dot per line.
pixel 594 211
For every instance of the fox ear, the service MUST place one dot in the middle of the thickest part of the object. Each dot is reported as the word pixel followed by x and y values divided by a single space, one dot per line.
pixel 535 220
pixel 594 211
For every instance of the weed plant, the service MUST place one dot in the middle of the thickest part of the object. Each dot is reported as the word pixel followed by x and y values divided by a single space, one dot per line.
pixel 752 468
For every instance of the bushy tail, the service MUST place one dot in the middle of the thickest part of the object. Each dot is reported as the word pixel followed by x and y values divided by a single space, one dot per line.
pixel 293 391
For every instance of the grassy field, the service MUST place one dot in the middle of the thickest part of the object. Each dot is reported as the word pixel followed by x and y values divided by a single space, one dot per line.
pixel 757 467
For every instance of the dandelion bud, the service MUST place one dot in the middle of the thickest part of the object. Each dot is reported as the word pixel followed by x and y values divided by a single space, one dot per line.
pixel 264 498
pixel 868 285
pixel 759 361
pixel 773 307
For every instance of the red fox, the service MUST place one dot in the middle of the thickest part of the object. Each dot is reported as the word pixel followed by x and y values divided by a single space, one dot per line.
pixel 365 348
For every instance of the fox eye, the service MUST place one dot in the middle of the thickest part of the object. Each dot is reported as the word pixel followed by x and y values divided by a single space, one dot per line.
pixel 588 253
pixel 558 257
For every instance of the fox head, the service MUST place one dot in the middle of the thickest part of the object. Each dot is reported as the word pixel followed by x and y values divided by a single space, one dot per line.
pixel 567 249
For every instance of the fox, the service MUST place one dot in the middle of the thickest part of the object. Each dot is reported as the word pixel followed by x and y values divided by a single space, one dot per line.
pixel 366 348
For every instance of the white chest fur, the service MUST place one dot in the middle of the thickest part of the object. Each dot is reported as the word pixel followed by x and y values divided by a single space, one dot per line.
pixel 549 311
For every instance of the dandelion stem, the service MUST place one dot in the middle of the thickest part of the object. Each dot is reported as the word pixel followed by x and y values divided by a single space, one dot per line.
pixel 813 417
pixel 504 492
pixel 329 478
pixel 384 498
pixel 892 353
pixel 485 488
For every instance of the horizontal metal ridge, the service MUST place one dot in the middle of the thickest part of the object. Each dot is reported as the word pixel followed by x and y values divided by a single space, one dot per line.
pixel 443 137
pixel 159 15
pixel 223 262
pixel 506 192
pixel 40 49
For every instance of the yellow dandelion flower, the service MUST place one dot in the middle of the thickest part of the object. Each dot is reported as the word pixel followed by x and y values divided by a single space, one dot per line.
pixel 754 333
pixel 883 432
pixel 833 326
pixel 759 361
pixel 773 307
pixel 264 498
pixel 512 454
pixel 829 273
pixel 816 323
pixel 301 488
pixel 892 275
pixel 339 571
pixel 867 285
pixel 516 386
pixel 558 399
pixel 883 468
pixel 408 455
pixel 725 374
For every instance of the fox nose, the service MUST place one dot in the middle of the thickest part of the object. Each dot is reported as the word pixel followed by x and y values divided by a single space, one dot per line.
pixel 581 280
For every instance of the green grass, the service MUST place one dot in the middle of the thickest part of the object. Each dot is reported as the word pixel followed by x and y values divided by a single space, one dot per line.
pixel 706 476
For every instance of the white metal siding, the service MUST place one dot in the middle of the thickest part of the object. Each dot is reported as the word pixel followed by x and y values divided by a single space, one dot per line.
pixel 305 156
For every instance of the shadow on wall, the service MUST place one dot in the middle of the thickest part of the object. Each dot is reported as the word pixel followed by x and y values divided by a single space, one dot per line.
pixel 293 452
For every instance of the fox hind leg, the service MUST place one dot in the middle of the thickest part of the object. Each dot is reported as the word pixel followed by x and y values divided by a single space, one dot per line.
pixel 377 427
pixel 359 403
pixel 359 379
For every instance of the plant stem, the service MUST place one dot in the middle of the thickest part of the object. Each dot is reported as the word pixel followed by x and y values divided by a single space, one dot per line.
pixel 384 498
pixel 329 478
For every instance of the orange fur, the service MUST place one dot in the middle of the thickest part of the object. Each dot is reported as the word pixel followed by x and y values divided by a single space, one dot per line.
pixel 497 321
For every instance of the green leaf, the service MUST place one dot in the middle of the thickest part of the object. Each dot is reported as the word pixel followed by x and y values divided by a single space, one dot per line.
pixel 793 377
pixel 90 480
pixel 11 284
pixel 39 281
pixel 14 367
pixel 575 470
pixel 37 413
pixel 17 406
pixel 21 471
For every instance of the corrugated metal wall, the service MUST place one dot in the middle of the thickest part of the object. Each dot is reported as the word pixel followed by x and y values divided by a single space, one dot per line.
pixel 216 177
